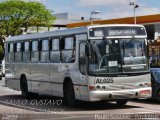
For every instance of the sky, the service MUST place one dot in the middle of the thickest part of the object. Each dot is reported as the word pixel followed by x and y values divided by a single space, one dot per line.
pixel 109 9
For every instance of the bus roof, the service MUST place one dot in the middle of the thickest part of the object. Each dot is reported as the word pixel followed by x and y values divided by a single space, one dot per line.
pixel 65 32
pixel 47 34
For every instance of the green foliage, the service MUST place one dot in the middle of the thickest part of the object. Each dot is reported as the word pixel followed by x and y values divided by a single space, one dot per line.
pixel 1 52
pixel 17 14
pixel 2 39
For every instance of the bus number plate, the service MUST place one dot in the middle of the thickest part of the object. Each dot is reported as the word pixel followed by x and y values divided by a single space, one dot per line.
pixel 105 80
pixel 145 92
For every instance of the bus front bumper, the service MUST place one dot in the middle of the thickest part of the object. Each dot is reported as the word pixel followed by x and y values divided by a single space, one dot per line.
pixel 98 95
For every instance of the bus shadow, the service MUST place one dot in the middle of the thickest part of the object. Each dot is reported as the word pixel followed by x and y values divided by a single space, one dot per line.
pixel 147 101
pixel 103 106
pixel 56 104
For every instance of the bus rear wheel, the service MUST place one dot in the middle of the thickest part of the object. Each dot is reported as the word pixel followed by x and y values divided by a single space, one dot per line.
pixel 69 94
pixel 121 102
pixel 24 87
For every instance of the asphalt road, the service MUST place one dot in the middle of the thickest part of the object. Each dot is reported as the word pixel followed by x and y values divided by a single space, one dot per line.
pixel 14 107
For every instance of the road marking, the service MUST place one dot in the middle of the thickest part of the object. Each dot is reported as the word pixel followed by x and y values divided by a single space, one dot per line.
pixel 99 112
pixel 141 113
pixel 30 108
pixel 142 109
pixel 87 116
pixel 93 115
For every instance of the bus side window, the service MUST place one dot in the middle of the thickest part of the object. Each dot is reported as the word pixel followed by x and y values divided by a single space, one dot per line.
pixel 55 51
pixel 18 52
pixel 35 52
pixel 45 51
pixel 10 52
pixel 82 58
pixel 26 52
pixel 68 50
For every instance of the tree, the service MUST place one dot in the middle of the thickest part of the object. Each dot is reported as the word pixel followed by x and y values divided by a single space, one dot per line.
pixel 15 14
pixel 2 39
pixel 18 14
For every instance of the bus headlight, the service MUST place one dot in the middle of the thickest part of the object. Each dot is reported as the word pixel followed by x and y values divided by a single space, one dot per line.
pixel 147 85
pixel 141 85
pixel 91 88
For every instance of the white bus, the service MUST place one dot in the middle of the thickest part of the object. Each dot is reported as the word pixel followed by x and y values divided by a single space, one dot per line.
pixel 93 63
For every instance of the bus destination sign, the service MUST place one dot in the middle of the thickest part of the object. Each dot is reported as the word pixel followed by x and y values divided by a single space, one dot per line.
pixel 122 32
pixel 116 31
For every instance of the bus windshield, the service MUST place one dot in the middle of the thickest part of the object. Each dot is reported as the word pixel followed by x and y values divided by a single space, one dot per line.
pixel 115 56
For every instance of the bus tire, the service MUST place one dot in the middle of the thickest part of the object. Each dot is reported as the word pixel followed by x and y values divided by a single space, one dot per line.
pixel 158 96
pixel 24 87
pixel 69 94
pixel 121 102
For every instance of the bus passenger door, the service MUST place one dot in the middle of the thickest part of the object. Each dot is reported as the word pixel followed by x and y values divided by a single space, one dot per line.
pixel 82 71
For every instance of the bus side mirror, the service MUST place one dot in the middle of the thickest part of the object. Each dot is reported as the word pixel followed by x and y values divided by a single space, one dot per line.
pixel 87 50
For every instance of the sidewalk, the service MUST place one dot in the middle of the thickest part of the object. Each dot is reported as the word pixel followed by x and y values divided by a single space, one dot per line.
pixel 2 82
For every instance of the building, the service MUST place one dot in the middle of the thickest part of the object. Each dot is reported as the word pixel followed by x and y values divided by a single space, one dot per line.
pixel 62 19
pixel 152 25
pixel 151 22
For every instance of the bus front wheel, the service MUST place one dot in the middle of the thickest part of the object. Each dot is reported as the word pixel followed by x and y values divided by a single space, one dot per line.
pixel 69 94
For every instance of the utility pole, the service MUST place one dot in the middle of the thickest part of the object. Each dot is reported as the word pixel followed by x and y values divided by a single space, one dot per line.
pixel 134 7
pixel 93 12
